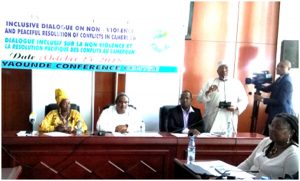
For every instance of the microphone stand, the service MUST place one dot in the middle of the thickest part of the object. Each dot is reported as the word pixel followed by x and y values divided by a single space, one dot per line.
pixel 254 112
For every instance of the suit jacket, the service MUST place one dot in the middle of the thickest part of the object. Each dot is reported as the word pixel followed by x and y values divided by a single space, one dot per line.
pixel 175 120
pixel 281 97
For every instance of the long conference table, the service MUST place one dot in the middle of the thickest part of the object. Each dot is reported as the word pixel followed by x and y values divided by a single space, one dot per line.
pixel 141 156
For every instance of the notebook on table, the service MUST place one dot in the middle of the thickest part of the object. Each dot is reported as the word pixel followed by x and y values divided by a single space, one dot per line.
pixel 217 168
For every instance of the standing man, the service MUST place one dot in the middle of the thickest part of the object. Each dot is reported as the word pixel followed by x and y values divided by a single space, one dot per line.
pixel 224 98
pixel 281 90
pixel 185 118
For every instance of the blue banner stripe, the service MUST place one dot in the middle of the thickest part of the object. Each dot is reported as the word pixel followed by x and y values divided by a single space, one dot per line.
pixel 86 67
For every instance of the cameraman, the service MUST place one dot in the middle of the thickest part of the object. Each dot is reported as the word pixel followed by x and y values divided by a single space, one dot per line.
pixel 224 98
pixel 281 90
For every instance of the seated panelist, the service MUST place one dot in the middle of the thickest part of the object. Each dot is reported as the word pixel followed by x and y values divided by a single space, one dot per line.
pixel 63 119
pixel 185 118
pixel 119 117
pixel 276 156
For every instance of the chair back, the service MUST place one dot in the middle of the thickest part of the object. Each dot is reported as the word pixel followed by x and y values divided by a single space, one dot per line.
pixel 163 117
pixel 54 106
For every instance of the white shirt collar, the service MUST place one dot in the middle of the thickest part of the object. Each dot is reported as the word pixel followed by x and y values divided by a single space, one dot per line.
pixel 190 110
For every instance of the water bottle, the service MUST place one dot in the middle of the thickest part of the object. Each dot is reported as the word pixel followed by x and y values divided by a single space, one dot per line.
pixel 191 151
pixel 78 128
pixel 142 127
pixel 229 128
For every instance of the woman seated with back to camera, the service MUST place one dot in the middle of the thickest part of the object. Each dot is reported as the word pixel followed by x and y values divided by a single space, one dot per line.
pixel 63 119
pixel 276 156
pixel 119 117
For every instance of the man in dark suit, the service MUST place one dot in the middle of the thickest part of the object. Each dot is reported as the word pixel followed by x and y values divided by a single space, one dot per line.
pixel 185 118
pixel 281 90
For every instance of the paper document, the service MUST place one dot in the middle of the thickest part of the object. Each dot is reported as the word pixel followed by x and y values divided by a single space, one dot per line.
pixel 57 134
pixel 179 135
pixel 182 135
pixel 209 135
pixel 23 133
pixel 217 168
pixel 147 134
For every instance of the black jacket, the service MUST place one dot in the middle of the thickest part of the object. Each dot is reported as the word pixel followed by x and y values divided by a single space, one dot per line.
pixel 175 120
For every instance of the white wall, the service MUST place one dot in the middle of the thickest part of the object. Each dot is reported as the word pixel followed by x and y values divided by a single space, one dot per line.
pixel 149 91
pixel 77 84
pixel 289 29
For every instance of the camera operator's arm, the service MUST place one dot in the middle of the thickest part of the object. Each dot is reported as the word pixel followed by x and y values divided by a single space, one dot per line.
pixel 263 88
pixel 260 98
pixel 282 95
pixel 266 88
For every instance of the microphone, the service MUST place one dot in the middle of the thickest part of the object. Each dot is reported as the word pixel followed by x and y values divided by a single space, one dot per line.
pixel 103 133
pixel 32 119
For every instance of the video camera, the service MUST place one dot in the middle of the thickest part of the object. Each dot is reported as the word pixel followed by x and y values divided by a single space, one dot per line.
pixel 224 105
pixel 259 79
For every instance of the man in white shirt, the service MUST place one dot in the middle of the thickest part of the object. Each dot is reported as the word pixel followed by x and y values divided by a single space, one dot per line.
pixel 120 117
pixel 224 100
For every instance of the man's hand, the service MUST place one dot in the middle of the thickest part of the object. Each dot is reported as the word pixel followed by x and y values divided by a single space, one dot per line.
pixel 61 128
pixel 194 131
pixel 212 88
pixel 232 108
pixel 121 128
pixel 258 98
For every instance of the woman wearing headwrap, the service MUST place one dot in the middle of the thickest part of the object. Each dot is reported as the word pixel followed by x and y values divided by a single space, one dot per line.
pixel 276 156
pixel 64 118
